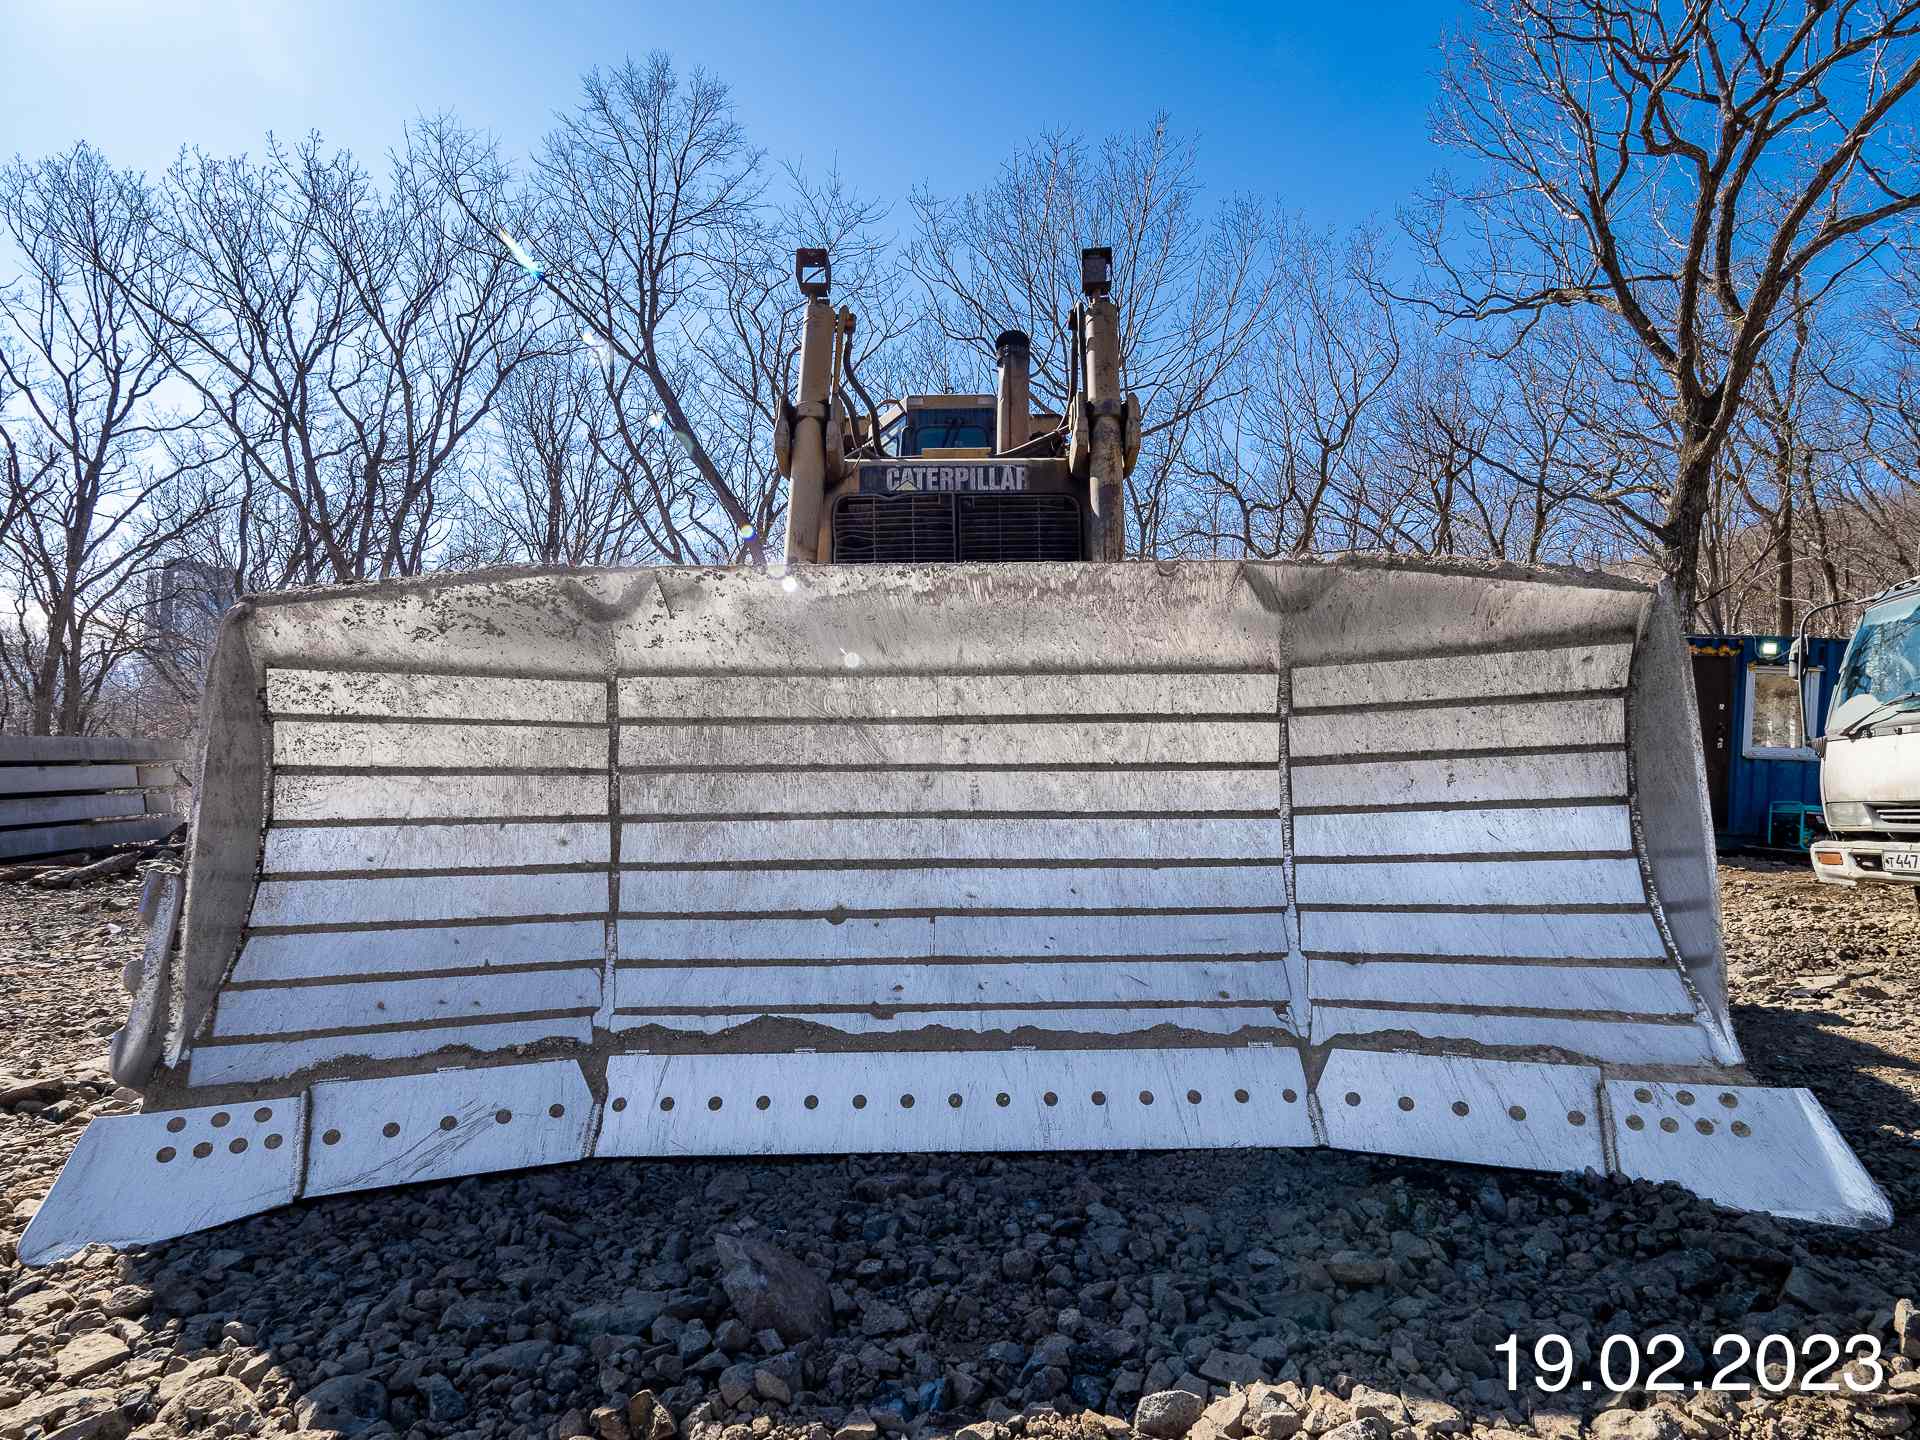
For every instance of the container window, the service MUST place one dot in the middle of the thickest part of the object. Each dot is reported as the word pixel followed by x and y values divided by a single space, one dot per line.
pixel 1774 727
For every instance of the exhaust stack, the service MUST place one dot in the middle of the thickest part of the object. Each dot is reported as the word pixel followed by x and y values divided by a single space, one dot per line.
pixel 1012 392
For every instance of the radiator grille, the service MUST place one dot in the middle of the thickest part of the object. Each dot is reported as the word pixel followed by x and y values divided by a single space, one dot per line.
pixel 1018 527
pixel 934 529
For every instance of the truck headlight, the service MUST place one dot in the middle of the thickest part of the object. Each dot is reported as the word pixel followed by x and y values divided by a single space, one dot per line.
pixel 1848 815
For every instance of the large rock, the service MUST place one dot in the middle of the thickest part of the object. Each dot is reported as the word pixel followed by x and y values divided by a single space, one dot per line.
pixel 442 1400
pixel 1230 1367
pixel 630 1315
pixel 1167 1414
pixel 46 1410
pixel 208 1400
pixel 648 1419
pixel 89 1354
pixel 347 1403
pixel 770 1290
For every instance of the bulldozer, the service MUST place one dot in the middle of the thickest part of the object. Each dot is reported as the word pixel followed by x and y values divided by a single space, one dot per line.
pixel 956 832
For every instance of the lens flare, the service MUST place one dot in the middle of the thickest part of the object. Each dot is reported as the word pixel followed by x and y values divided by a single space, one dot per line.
pixel 851 660
pixel 656 421
pixel 520 256
pixel 789 585
pixel 746 533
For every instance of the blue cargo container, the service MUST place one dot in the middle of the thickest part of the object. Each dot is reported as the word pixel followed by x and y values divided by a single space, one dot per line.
pixel 1762 778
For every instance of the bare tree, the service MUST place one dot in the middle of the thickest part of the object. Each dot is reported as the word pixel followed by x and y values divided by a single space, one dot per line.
pixel 1677 171
pixel 111 479
pixel 551 496
pixel 1195 289
pixel 632 221
pixel 1291 456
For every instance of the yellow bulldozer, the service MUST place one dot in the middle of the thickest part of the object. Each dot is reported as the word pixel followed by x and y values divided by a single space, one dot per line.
pixel 957 832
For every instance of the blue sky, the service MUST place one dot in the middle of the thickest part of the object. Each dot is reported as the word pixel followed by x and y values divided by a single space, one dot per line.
pixel 1305 103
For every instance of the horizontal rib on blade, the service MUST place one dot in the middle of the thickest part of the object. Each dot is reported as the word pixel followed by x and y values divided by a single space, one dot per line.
pixel 951 889
pixel 436 797
pixel 932 841
pixel 1212 1020
pixel 798 941
pixel 422 950
pixel 435 847
pixel 977 986
pixel 1516 880
pixel 1556 829
pixel 1543 936
pixel 916 792
pixel 1464 677
pixel 1622 1041
pixel 1515 725
pixel 350 693
pixel 402 1000
pixel 1636 990
pixel 217 1064
pixel 364 745
pixel 877 697
pixel 953 742
pixel 1461 779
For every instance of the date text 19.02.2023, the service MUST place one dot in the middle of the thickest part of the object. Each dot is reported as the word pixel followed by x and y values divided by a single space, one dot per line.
pixel 1817 1364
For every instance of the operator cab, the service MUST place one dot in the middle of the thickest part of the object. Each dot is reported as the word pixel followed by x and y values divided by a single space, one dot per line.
pixel 938 427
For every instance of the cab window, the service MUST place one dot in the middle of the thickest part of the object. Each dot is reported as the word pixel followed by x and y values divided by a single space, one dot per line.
pixel 948 429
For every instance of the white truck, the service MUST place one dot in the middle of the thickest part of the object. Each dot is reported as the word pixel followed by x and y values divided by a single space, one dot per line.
pixel 1870 746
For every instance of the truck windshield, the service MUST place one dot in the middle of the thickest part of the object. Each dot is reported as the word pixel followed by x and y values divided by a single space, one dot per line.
pixel 1884 659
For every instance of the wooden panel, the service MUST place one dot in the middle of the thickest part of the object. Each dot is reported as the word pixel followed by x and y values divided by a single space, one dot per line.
pixel 1635 990
pixel 435 847
pixel 911 792
pixel 371 745
pixel 57 809
pixel 426 897
pixel 1464 677
pixel 1516 725
pixel 46 779
pixel 900 696
pixel 1462 780
pixel 976 986
pixel 950 888
pixel 964 935
pixel 1548 937
pixel 435 797
pixel 1087 841
pixel 959 742
pixel 98 835
pixel 293 1010
pixel 1556 829
pixel 68 749
pixel 431 697
pixel 1464 882
pixel 416 951
pixel 227 1064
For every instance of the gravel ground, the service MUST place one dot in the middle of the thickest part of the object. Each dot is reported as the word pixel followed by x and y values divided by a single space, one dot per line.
pixel 1295 1293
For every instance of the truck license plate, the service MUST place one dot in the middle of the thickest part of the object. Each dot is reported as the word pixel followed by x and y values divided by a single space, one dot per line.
pixel 1901 862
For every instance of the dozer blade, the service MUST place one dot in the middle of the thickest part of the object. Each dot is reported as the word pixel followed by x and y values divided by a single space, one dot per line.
pixel 511 869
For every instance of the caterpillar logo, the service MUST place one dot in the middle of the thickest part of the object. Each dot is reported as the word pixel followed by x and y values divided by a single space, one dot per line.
pixel 984 478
